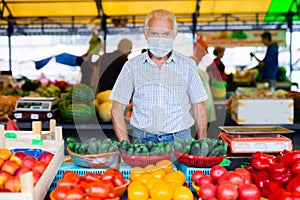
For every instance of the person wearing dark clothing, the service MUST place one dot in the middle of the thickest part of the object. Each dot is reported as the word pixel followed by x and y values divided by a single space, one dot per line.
pixel 269 65
pixel 111 65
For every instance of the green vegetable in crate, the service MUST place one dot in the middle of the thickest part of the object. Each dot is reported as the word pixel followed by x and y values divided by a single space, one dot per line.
pixel 124 145
pixel 130 151
pixel 204 148
pixel 187 149
pixel 83 149
pixel 178 146
pixel 196 149
pixel 92 148
pixel 149 145
pixel 76 147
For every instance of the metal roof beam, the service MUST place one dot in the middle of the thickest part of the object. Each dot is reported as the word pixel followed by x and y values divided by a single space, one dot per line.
pixel 7 8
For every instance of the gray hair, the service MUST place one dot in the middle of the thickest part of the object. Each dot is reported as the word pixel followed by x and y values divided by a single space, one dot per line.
pixel 161 13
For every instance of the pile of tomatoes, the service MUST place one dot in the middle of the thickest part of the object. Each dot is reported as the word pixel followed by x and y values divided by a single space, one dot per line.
pixel 90 186
pixel 158 181
pixel 224 185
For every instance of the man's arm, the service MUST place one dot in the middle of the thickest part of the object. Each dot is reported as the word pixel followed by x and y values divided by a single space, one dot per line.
pixel 199 113
pixel 118 120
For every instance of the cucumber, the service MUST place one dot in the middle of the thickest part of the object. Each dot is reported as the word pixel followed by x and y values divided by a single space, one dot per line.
pixel 124 144
pixel 216 151
pixel 92 148
pixel 187 149
pixel 83 149
pixel 178 147
pixel 149 145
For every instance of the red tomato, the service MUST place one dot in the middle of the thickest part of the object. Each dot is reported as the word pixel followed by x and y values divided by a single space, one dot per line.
pixel 117 181
pixel 289 196
pixel 204 180
pixel 108 175
pixel 60 193
pixel 249 192
pixel 90 177
pixel 245 174
pixel 72 175
pixel 207 191
pixel 108 184
pixel 66 182
pixel 233 177
pixel 196 176
pixel 75 194
pixel 98 189
pixel 217 172
pixel 119 175
pixel 227 191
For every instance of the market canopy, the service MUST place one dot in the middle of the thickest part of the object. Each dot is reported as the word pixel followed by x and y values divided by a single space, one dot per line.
pixel 59 12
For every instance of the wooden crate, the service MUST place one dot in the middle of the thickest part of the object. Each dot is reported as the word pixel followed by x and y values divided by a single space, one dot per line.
pixel 28 191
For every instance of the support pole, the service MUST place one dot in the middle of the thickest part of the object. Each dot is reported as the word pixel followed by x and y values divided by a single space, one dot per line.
pixel 10 31
pixel 290 26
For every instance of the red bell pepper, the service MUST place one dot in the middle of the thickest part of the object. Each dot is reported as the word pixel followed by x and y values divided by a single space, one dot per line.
pixel 260 160
pixel 271 187
pixel 260 178
pixel 275 195
pixel 296 168
pixel 289 159
pixel 294 185
pixel 289 196
pixel 279 173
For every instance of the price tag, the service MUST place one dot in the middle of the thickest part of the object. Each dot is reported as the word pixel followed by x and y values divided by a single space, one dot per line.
pixel 37 142
pixel 225 162
pixel 18 115
pixel 11 135
pixel 34 116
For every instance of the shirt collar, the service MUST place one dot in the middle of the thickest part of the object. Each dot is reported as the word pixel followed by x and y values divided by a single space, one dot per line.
pixel 173 58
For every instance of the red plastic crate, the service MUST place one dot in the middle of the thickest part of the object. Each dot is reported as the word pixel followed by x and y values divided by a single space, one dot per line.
pixel 198 161
pixel 142 161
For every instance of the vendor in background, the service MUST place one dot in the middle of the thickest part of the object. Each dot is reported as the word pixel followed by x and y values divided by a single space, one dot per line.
pixel 216 71
pixel 163 84
pixel 269 65
pixel 203 60
pixel 112 63
pixel 89 67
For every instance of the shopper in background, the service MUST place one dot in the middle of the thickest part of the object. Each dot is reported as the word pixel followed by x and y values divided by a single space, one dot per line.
pixel 269 65
pixel 217 69
pixel 203 60
pixel 112 63
pixel 89 67
pixel 162 83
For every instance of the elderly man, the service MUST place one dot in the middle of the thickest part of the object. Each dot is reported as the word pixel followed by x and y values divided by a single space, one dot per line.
pixel 162 84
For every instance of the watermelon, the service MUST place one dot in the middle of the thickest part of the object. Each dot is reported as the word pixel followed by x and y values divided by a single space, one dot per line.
pixel 79 112
pixel 81 94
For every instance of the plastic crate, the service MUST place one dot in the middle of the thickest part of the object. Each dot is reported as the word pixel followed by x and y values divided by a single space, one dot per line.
pixel 188 171
pixel 70 166
pixel 198 161
pixel 142 161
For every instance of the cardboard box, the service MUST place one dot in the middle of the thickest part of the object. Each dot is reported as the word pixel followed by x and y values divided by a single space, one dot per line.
pixel 263 111
pixel 28 191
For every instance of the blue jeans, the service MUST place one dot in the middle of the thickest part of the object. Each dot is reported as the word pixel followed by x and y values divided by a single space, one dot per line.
pixel 163 137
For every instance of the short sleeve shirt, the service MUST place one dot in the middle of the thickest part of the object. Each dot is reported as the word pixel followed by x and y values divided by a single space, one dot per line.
pixel 161 95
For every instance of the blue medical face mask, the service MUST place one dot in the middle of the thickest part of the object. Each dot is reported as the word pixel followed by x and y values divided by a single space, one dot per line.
pixel 160 46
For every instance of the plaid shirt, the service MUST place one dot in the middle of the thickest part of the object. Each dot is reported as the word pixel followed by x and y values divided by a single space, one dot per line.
pixel 161 96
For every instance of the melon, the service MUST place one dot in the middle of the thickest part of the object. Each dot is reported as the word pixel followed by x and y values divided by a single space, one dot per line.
pixel 104 111
pixel 103 97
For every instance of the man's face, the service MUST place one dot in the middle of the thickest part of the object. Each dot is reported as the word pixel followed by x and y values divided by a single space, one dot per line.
pixel 160 27
pixel 265 41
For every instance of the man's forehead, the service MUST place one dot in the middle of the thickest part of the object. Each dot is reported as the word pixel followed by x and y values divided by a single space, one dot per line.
pixel 159 29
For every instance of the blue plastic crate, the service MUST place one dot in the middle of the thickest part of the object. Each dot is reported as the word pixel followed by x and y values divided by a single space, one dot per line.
pixel 188 171
pixel 70 166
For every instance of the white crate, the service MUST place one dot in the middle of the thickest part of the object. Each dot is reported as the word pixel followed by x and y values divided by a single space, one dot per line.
pixel 263 111
pixel 28 191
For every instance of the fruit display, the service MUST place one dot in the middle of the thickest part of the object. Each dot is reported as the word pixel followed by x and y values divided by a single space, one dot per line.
pixel 222 184
pixel 14 164
pixel 109 185
pixel 77 103
pixel 276 177
pixel 103 105
pixel 92 146
pixel 49 91
pixel 158 182
pixel 147 149
pixel 246 76
pixel 7 106
pixel 209 147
